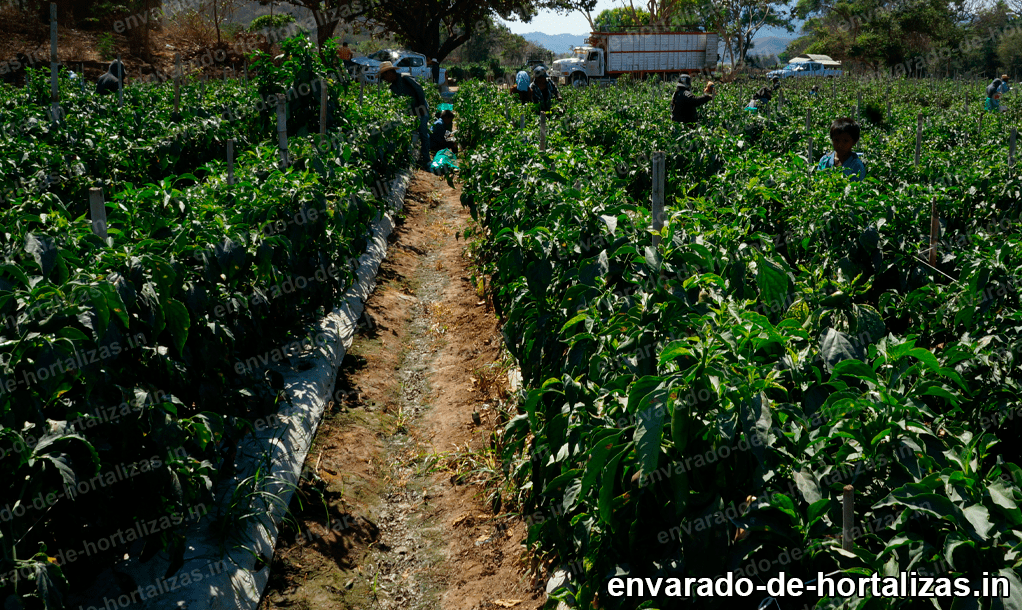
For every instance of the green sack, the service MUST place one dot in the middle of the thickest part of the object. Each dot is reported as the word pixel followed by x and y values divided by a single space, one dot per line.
pixel 444 162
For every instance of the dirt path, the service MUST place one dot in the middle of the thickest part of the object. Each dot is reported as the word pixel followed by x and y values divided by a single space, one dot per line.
pixel 394 509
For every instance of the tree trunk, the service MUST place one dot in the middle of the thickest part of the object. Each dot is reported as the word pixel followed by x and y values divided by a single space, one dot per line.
pixel 324 28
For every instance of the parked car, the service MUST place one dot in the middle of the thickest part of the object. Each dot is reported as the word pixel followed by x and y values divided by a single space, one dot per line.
pixel 808 65
pixel 406 62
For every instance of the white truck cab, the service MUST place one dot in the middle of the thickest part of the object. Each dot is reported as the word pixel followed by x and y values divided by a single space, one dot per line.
pixel 585 63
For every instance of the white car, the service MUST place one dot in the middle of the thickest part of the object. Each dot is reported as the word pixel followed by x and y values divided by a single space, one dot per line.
pixel 804 68
pixel 406 62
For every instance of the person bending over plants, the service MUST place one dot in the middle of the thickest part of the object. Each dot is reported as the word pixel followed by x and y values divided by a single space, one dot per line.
pixel 522 88
pixel 543 91
pixel 759 100
pixel 684 104
pixel 993 102
pixel 438 139
pixel 404 85
pixel 844 135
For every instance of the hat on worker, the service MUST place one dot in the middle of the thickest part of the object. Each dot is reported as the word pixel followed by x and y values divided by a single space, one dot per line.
pixel 386 67
pixel 685 81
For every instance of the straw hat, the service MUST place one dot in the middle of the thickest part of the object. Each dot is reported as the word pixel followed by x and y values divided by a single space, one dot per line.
pixel 386 67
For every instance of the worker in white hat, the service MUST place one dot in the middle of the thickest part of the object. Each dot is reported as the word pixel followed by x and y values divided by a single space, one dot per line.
pixel 404 85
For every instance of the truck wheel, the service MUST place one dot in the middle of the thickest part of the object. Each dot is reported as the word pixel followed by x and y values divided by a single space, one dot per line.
pixel 579 79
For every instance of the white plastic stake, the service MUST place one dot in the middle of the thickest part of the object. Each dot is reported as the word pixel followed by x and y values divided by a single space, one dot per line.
pixel 657 208
pixel 230 162
pixel 282 132
pixel 98 212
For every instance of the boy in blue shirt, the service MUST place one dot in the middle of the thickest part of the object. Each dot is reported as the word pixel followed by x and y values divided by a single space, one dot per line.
pixel 844 134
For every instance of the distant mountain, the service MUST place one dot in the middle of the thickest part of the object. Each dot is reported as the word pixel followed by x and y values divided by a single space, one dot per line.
pixel 558 43
pixel 769 45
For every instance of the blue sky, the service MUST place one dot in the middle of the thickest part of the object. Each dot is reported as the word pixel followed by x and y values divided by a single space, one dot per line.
pixel 550 22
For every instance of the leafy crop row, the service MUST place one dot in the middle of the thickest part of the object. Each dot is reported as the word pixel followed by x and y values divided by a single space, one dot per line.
pixel 697 408
pixel 146 353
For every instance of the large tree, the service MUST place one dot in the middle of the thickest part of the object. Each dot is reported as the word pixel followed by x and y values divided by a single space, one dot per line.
pixel 431 27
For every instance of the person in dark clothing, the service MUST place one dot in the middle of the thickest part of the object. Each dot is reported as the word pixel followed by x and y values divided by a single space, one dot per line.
pixel 438 139
pixel 114 77
pixel 435 69
pixel 543 90
pixel 684 104
pixel 405 86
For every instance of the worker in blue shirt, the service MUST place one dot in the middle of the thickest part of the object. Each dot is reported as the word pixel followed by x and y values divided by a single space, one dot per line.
pixel 844 135
pixel 1004 84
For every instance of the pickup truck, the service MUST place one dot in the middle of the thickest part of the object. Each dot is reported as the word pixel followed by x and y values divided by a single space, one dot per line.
pixel 804 68
pixel 406 62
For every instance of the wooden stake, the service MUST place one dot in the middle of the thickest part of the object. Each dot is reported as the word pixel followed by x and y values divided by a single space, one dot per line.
pixel 120 84
pixel 230 162
pixel 919 137
pixel 889 113
pixel 177 84
pixel 81 76
pixel 282 132
pixel 322 106
pixel 858 106
pixel 245 65
pixel 1011 147
pixel 657 208
pixel 848 514
pixel 54 87
pixel 542 131
pixel 809 137
pixel 97 210
pixel 934 232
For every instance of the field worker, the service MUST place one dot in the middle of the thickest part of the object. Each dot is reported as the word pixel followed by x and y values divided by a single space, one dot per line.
pixel 759 100
pixel 543 91
pixel 404 85
pixel 522 87
pixel 777 83
pixel 815 90
pixel 844 135
pixel 435 71
pixel 993 101
pixel 684 104
pixel 1004 84
pixel 438 138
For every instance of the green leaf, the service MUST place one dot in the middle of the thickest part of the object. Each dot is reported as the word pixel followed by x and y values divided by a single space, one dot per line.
pixel 836 347
pixel 673 350
pixel 649 431
pixel 773 286
pixel 178 323
pixel 43 250
pixel 979 517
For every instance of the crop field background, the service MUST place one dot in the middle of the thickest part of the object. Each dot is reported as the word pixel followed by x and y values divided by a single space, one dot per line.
pixel 698 407
pixel 701 400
